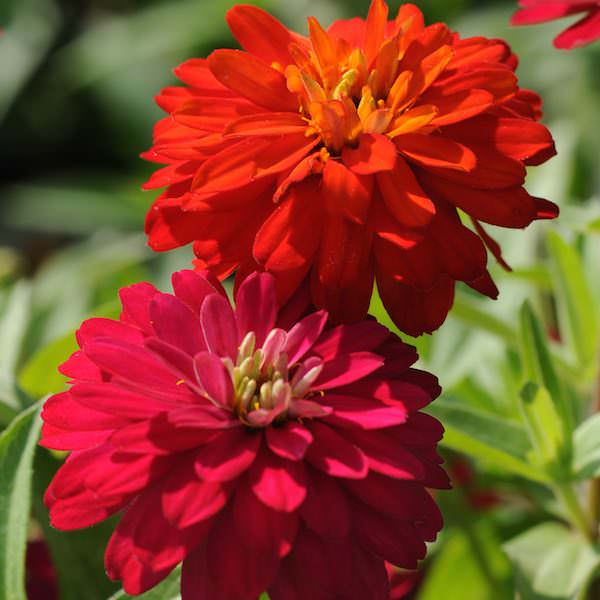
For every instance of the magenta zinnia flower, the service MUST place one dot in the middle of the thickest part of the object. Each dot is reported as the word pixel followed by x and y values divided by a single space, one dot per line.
pixel 261 453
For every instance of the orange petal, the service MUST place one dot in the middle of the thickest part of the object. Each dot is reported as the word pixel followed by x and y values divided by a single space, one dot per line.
pixel 260 33
pixel 413 120
pixel 374 153
pixel 436 151
pixel 386 68
pixel 404 197
pixel 253 79
pixel 346 193
pixel 271 123
pixel 477 50
pixel 375 29
pixel 208 114
pixel 310 165
pixel 499 80
pixel 325 50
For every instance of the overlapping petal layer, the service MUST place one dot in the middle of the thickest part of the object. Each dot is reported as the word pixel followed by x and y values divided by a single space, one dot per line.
pixel 582 32
pixel 263 448
pixel 345 158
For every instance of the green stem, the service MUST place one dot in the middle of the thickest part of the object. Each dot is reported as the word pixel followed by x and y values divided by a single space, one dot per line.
pixel 577 516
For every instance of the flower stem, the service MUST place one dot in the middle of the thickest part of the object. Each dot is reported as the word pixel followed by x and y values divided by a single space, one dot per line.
pixel 577 516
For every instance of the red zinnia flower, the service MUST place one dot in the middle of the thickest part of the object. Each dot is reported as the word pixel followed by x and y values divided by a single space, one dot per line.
pixel 264 455
pixel 583 32
pixel 343 158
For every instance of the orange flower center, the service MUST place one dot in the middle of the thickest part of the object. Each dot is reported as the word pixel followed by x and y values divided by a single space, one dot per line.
pixel 344 91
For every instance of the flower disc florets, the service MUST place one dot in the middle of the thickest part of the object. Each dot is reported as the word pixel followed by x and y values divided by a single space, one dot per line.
pixel 265 449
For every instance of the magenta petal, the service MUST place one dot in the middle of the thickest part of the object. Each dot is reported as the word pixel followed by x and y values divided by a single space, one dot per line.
pixel 387 456
pixel 113 399
pixel 136 302
pixel 347 368
pixel 261 527
pixel 177 360
pixel 219 326
pixel 278 483
pixel 190 501
pixel 334 455
pixel 289 441
pixel 308 409
pixel 256 306
pixel 362 413
pixel 344 339
pixel 176 324
pixel 304 334
pixel 214 377
pixel 326 509
pixel 99 327
pixel 228 455
pixel 79 366
pixel 192 288
pixel 56 438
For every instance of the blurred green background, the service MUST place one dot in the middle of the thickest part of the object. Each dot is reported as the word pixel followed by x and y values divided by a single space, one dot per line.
pixel 77 80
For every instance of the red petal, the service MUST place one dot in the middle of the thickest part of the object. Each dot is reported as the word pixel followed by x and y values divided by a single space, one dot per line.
pixel 260 33
pixel 251 78
pixel 375 152
pixel 266 124
pixel 583 32
pixel 346 193
pixel 436 151
pixel 403 196
pixel 289 441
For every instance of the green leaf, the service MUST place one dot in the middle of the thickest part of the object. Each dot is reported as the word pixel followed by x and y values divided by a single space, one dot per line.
pixel 168 589
pixel 484 436
pixel 77 556
pixel 577 313
pixel 538 365
pixel 586 449
pixel 552 563
pixel 469 313
pixel 545 426
pixel 13 325
pixel 17 448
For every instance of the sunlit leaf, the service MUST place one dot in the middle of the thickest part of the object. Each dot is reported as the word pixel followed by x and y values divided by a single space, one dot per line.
pixel 17 447
pixel 586 448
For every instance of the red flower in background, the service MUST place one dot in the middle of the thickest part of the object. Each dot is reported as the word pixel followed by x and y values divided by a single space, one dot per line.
pixel 342 158
pixel 583 32
pixel 40 576
pixel 263 454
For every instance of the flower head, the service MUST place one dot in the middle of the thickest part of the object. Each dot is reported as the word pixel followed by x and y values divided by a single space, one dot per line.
pixel 263 454
pixel 345 157
pixel 581 33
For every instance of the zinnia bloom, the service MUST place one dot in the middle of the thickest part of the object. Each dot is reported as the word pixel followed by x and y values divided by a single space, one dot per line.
pixel 581 33
pixel 346 158
pixel 263 454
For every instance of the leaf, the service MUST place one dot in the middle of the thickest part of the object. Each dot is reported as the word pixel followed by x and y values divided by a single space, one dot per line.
pixel 40 376
pixel 545 427
pixel 538 365
pixel 586 449
pixel 77 556
pixel 578 316
pixel 486 437
pixel 552 562
pixel 17 448
pixel 13 325
pixel 168 589
pixel 469 313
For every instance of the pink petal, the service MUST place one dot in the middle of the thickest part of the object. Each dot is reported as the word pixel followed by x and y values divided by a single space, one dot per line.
pixel 192 288
pixel 79 366
pixel 214 377
pixel 256 306
pixel 401 394
pixel 278 483
pixel 289 441
pixel 176 324
pixel 346 368
pixel 181 363
pixel 583 32
pixel 227 456
pixel 334 455
pixel 355 412
pixel 219 326
pixel 56 438
pixel 303 335
pixel 326 509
